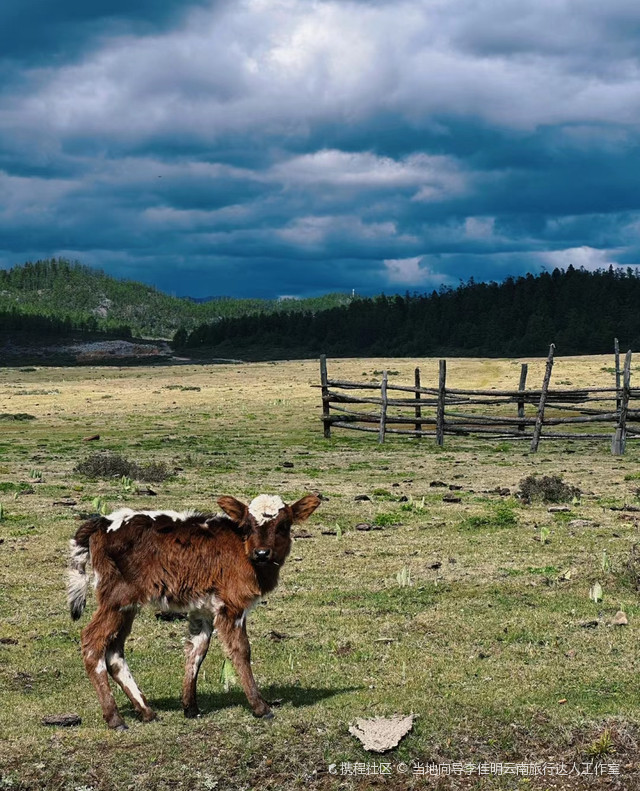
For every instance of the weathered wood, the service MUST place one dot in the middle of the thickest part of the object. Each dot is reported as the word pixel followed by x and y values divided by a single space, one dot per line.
pixel 374 417
pixel 603 417
pixel 521 400
pixel 581 392
pixel 516 393
pixel 616 351
pixel 383 410
pixel 442 380
pixel 543 397
pixel 619 438
pixel 488 433
pixel 326 407
pixel 410 433
pixel 341 398
pixel 442 404
pixel 418 408
pixel 576 408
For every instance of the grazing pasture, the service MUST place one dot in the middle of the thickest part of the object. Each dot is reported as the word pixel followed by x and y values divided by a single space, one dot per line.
pixel 474 614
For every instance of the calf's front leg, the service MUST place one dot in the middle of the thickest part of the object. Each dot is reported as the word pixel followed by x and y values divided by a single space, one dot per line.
pixel 196 647
pixel 232 631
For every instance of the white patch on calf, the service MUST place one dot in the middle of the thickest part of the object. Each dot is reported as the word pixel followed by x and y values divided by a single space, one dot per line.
pixel 265 507
pixel 239 622
pixel 211 604
pixel 199 644
pixel 119 517
pixel 121 673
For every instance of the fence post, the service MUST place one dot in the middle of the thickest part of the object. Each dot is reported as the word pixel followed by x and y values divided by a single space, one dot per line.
pixel 620 436
pixel 383 407
pixel 418 407
pixel 543 398
pixel 441 396
pixel 616 349
pixel 325 395
pixel 523 381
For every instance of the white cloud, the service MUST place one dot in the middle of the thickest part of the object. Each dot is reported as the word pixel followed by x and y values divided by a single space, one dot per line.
pixel 479 227
pixel 282 65
pixel 587 257
pixel 428 177
pixel 415 271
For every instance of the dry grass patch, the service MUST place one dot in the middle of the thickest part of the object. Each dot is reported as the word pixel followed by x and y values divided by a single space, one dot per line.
pixel 456 612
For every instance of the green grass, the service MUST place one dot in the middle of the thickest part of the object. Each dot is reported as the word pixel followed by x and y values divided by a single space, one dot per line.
pixel 484 638
pixel 499 517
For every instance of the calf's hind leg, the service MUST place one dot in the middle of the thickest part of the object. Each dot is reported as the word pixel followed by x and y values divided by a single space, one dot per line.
pixel 119 670
pixel 96 636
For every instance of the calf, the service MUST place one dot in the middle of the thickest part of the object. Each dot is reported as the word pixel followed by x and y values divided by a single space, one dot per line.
pixel 213 567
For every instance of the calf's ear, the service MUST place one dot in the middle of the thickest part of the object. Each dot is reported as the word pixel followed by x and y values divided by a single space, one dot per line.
pixel 305 507
pixel 233 508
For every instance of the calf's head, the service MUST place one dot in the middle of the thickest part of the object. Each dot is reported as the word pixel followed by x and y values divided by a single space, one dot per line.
pixel 265 524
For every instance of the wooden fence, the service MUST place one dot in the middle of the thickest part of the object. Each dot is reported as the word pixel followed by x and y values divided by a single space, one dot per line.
pixel 436 411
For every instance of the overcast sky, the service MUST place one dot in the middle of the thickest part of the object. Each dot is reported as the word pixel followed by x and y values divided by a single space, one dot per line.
pixel 295 147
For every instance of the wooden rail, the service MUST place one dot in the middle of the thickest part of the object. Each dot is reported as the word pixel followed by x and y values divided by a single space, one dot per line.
pixel 440 411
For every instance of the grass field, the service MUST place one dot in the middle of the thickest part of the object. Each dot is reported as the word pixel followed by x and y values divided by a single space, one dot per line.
pixel 475 616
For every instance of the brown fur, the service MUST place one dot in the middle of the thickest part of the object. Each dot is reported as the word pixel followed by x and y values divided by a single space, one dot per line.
pixel 213 567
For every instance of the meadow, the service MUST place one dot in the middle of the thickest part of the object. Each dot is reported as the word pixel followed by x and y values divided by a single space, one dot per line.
pixel 475 616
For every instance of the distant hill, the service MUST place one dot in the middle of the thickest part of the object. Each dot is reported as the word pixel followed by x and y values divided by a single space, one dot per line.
pixel 81 299
pixel 580 311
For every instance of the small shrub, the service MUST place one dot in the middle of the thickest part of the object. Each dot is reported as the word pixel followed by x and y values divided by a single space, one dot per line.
pixel 602 746
pixel 153 472
pixel 17 416
pixel 502 516
pixel 104 465
pixel 629 572
pixel 385 520
pixel 547 489
pixel 36 392
pixel 8 486
pixel 113 465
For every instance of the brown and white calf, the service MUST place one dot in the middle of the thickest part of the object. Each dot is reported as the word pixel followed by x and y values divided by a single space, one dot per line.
pixel 213 567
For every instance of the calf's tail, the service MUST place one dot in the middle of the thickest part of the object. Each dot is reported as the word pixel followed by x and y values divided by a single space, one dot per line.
pixel 77 579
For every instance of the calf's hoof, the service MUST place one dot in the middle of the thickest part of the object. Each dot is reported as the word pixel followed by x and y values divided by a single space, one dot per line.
pixel 191 712
pixel 263 712
pixel 116 723
pixel 149 716
pixel 121 728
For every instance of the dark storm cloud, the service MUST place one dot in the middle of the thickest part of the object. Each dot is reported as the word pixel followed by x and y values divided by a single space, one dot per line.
pixel 36 32
pixel 270 147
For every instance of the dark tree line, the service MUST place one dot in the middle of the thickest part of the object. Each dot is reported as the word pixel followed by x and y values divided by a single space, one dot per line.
pixel 14 323
pixel 60 288
pixel 579 310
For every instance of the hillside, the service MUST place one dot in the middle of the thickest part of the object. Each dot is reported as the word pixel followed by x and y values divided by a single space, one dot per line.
pixel 88 300
pixel 579 310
